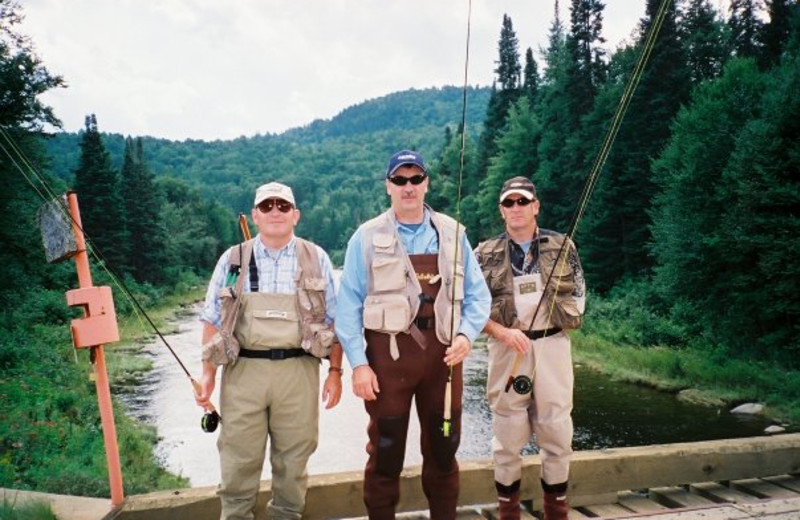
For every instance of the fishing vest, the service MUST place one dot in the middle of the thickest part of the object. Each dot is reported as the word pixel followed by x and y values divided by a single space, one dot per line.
pixel 559 304
pixel 316 336
pixel 393 291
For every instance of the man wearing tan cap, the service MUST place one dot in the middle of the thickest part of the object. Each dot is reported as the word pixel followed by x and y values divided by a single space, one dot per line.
pixel 268 319
pixel 538 293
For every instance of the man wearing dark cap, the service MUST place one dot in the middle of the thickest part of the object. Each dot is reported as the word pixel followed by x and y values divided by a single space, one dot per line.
pixel 413 290
pixel 268 318
pixel 538 293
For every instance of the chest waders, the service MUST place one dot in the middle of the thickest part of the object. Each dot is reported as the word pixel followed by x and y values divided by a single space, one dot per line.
pixel 420 374
pixel 268 394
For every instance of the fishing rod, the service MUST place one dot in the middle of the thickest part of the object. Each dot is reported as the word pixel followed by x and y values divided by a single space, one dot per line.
pixel 448 395
pixel 523 382
pixel 211 418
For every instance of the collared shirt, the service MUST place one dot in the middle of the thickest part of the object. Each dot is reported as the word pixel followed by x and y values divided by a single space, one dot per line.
pixel 275 275
pixel 422 239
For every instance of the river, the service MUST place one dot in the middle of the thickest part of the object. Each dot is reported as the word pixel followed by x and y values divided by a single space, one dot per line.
pixel 606 414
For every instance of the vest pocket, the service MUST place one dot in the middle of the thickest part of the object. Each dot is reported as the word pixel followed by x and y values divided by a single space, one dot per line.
pixel 566 314
pixel 312 295
pixel 388 274
pixel 389 313
pixel 274 328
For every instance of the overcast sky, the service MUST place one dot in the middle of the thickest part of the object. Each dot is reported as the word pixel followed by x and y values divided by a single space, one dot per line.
pixel 210 69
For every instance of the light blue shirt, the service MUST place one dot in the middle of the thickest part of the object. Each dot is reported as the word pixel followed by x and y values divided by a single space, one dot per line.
pixel 275 275
pixel 353 288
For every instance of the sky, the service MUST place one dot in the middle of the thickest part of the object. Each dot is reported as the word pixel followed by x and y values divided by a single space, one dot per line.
pixel 211 69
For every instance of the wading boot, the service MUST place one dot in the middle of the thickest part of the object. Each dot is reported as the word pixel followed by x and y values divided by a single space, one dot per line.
pixel 508 500
pixel 556 506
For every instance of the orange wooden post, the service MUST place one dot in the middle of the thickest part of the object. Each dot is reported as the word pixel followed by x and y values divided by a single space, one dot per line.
pixel 96 328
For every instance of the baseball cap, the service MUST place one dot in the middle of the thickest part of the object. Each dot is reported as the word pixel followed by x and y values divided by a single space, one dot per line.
pixel 274 190
pixel 521 186
pixel 404 158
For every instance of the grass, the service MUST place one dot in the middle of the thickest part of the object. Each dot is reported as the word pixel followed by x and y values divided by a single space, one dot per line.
pixel 699 375
pixel 27 511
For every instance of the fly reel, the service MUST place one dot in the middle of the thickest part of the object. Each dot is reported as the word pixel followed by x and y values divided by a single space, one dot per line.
pixel 210 421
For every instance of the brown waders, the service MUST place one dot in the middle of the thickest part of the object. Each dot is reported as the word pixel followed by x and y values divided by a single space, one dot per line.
pixel 419 373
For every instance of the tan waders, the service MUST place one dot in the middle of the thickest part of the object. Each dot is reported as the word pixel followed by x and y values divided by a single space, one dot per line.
pixel 271 397
pixel 420 374
pixel 546 410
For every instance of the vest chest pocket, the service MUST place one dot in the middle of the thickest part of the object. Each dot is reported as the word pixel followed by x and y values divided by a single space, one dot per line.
pixel 387 313
pixel 312 296
pixel 388 274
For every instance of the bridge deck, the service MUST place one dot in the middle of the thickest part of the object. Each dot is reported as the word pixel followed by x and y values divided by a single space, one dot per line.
pixel 734 479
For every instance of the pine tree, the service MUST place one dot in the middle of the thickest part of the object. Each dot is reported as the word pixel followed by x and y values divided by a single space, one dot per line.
pixel 142 203
pixel 745 27
pixel 775 34
pixel 100 201
pixel 584 44
pixel 530 76
pixel 705 41
pixel 508 76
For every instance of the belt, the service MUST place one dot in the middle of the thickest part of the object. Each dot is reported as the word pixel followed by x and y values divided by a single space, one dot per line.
pixel 539 334
pixel 425 323
pixel 274 354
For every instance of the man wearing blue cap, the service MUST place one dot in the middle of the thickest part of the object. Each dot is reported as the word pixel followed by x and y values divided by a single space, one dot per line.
pixel 414 291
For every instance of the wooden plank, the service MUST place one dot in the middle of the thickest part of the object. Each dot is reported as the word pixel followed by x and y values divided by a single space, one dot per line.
pixel 719 512
pixel 469 514
pixel 762 488
pixel 718 493
pixel 638 503
pixel 678 497
pixel 769 509
pixel 604 510
pixel 493 513
pixel 788 481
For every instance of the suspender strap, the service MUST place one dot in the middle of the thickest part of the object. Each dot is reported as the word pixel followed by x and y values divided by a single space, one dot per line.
pixel 253 273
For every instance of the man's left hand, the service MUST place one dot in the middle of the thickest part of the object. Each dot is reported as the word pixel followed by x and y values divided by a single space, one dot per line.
pixel 458 351
pixel 332 389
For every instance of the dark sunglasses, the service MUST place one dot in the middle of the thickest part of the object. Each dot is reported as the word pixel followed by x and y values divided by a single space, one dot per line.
pixel 507 203
pixel 282 205
pixel 416 180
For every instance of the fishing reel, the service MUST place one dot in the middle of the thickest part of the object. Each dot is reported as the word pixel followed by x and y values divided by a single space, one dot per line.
pixel 210 421
pixel 521 384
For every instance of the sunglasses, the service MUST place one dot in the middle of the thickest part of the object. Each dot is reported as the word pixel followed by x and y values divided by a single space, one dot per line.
pixel 416 180
pixel 267 205
pixel 507 203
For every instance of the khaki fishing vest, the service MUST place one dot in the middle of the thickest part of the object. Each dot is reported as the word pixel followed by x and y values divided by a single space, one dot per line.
pixel 496 266
pixel 316 336
pixel 393 290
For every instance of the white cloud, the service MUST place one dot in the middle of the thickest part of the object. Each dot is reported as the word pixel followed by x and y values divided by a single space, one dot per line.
pixel 217 70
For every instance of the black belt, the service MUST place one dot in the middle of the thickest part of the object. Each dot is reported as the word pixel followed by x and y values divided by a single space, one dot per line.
pixel 539 334
pixel 274 353
pixel 425 323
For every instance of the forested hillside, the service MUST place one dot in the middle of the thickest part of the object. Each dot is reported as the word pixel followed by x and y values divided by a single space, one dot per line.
pixel 689 240
pixel 335 166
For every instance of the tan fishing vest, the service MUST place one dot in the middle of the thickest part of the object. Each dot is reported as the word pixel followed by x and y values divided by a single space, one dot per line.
pixel 559 306
pixel 266 320
pixel 393 290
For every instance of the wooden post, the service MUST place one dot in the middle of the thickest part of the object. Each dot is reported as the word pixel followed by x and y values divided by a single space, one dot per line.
pixel 99 326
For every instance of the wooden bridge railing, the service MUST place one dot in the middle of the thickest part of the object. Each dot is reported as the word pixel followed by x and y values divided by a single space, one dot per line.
pixel 595 477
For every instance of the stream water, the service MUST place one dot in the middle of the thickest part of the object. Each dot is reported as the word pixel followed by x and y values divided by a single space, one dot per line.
pixel 606 414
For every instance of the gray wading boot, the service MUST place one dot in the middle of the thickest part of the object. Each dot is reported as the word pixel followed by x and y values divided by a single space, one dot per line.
pixel 556 506
pixel 508 500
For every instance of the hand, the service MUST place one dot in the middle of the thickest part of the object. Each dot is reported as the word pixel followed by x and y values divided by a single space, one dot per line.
pixel 515 339
pixel 205 387
pixel 365 383
pixel 458 350
pixel 332 389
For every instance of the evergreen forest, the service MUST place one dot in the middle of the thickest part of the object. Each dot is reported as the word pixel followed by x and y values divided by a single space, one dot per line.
pixel 689 239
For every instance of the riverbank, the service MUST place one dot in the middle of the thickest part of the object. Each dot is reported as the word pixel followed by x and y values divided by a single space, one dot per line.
pixel 696 376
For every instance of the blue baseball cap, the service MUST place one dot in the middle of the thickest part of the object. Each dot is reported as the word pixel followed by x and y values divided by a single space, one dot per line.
pixel 405 158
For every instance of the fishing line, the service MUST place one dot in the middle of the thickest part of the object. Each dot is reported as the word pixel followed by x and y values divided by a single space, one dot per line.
pixel 211 419
pixel 599 163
